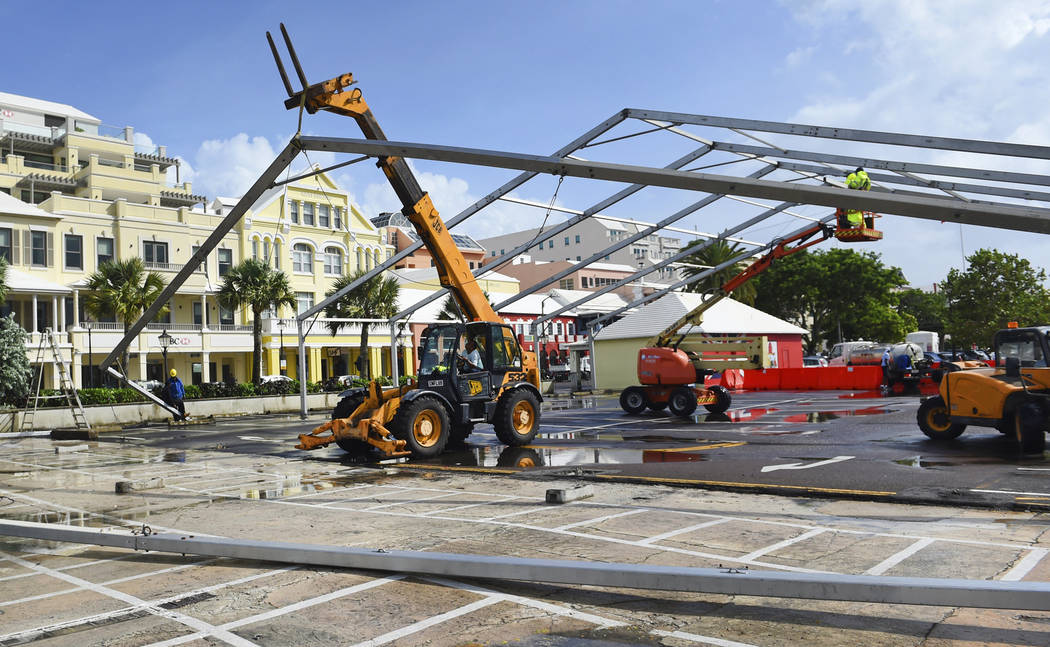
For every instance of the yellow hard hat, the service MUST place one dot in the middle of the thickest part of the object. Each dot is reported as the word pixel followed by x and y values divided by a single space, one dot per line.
pixel 172 372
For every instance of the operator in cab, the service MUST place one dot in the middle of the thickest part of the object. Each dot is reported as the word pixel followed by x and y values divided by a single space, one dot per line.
pixel 471 357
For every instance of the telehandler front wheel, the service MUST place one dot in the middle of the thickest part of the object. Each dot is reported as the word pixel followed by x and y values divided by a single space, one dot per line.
pixel 935 422
pixel 517 417
pixel 346 407
pixel 423 425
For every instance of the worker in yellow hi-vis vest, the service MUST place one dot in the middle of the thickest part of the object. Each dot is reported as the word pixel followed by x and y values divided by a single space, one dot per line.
pixel 858 180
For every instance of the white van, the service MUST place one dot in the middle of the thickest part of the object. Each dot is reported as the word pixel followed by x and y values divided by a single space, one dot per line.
pixel 841 353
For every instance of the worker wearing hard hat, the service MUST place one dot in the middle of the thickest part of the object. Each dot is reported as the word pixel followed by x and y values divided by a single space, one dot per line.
pixel 857 180
pixel 175 393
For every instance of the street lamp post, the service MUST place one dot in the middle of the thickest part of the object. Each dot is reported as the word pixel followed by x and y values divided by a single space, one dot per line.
pixel 281 364
pixel 165 341
pixel 91 364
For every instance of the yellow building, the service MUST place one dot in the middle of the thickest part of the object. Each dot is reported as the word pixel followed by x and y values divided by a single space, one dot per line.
pixel 75 193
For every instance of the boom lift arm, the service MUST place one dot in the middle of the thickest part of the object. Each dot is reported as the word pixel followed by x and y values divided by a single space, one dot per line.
pixel 782 249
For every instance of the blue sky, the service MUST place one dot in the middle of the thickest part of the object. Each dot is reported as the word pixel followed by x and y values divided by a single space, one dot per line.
pixel 528 77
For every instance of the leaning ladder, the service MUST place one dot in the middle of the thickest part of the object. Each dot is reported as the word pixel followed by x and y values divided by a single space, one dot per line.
pixel 65 383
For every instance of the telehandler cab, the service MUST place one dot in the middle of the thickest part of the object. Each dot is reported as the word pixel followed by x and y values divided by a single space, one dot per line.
pixel 1013 396
pixel 452 394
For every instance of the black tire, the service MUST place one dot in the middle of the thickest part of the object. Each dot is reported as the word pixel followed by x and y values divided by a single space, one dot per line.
pixel 722 404
pixel 682 401
pixel 343 409
pixel 935 422
pixel 524 457
pixel 517 417
pixel 424 426
pixel 1028 429
pixel 656 406
pixel 633 400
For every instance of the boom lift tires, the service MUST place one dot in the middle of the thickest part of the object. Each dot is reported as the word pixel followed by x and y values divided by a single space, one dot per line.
pixel 424 426
pixel 517 417
pixel 633 400
pixel 682 401
pixel 723 399
pixel 935 422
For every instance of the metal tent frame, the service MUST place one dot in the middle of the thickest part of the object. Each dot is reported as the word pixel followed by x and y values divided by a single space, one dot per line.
pixel 802 171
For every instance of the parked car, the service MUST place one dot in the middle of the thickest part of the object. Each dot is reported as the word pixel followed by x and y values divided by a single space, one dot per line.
pixel 274 378
pixel 814 360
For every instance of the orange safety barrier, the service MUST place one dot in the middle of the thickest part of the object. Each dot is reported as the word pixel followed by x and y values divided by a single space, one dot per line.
pixel 812 379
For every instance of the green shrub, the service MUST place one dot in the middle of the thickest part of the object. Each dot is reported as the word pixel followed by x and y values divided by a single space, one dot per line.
pixel 193 392
pixel 243 390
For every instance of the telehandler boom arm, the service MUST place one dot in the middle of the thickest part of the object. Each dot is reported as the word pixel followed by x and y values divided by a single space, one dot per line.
pixel 335 95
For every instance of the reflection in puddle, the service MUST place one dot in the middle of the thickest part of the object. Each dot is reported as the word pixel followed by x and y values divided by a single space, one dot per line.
pixel 571 403
pixel 916 461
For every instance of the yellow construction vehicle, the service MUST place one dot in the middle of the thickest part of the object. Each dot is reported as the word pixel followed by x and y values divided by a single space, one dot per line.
pixel 497 382
pixel 1013 395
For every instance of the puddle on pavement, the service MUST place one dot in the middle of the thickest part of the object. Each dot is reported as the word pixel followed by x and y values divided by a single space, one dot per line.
pixel 917 461
pixel 571 403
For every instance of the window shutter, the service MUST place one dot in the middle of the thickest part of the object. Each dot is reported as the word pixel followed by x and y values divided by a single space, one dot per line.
pixel 50 249
pixel 15 247
pixel 27 239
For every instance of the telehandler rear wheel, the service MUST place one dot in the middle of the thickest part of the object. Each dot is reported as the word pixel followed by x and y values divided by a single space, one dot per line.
pixel 423 425
pixel 935 422
pixel 517 417
pixel 346 407
pixel 1028 429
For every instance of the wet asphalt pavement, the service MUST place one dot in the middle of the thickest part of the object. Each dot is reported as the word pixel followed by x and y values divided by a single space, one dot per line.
pixel 825 444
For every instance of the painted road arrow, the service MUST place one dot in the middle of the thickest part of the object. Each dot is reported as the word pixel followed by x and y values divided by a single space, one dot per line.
pixel 805 466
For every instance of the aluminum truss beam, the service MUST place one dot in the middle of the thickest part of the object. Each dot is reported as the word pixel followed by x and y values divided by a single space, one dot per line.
pixel 468 212
pixel 850 134
pixel 986 594
pixel 680 255
pixel 279 164
pixel 554 230
pixel 929 208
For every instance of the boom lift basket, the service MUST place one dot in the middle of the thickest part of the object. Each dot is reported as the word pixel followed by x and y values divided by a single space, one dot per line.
pixel 862 234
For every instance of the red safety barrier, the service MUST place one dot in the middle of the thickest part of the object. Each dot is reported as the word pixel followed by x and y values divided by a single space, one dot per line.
pixel 812 379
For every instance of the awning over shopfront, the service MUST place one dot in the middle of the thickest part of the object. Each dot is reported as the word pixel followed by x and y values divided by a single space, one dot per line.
pixel 19 282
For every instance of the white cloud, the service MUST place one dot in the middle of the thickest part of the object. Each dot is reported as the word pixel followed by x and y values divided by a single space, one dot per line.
pixel 799 56
pixel 228 167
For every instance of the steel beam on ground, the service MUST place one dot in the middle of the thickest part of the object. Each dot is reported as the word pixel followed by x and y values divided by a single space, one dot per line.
pixel 850 134
pixel 932 208
pixel 984 594
pixel 279 164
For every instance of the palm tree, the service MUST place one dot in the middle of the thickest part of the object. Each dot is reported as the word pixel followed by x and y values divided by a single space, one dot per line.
pixel 254 284
pixel 376 298
pixel 712 256
pixel 122 289
pixel 3 279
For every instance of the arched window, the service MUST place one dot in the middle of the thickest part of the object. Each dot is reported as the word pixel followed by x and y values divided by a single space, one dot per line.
pixel 333 261
pixel 360 261
pixel 378 257
pixel 302 258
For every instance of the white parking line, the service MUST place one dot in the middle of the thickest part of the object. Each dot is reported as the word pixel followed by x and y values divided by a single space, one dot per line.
pixel 1025 566
pixel 416 627
pixel 588 522
pixel 170 614
pixel 410 502
pixel 782 544
pixel 291 608
pixel 696 638
pixel 893 560
pixel 682 531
